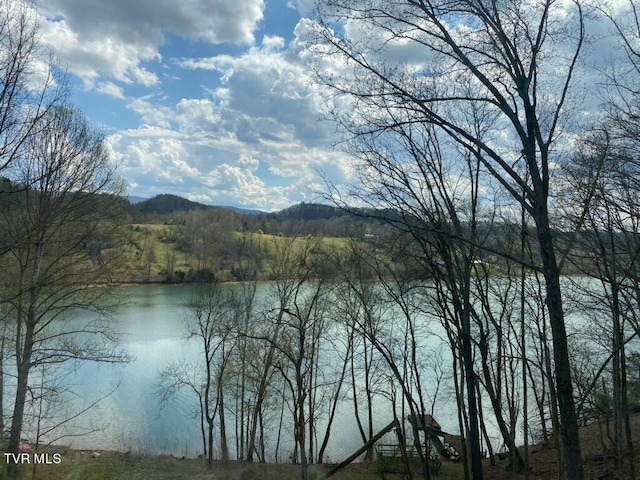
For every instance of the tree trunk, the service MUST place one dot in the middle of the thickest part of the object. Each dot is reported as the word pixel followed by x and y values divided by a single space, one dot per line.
pixel 517 464
pixel 566 404
pixel 472 404
pixel 485 434
pixel 459 391
pixel 203 429
pixel 22 387
pixel 336 398
pixel 2 344
pixel 224 447
pixel 18 409
pixel 262 389
pixel 300 427
pixel 210 432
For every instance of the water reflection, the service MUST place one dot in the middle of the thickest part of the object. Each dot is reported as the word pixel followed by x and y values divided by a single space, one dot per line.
pixel 153 333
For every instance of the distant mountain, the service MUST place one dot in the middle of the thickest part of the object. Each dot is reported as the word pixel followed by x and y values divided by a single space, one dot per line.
pixel 133 199
pixel 246 211
pixel 166 203
pixel 300 219
pixel 310 211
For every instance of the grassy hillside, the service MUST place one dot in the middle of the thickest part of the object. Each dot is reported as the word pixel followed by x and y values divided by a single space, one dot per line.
pixel 172 239
pixel 76 465
pixel 172 253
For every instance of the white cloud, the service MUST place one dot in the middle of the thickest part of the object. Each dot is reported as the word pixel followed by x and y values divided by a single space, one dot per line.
pixel 217 171
pixel 256 140
pixel 212 21
pixel 272 43
pixel 219 63
pixel 152 156
pixel 248 132
pixel 197 115
pixel 95 38
pixel 304 7
pixel 111 89
pixel 89 57
pixel 151 113
pixel 267 94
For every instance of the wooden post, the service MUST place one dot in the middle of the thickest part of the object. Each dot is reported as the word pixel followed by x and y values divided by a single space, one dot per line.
pixel 361 450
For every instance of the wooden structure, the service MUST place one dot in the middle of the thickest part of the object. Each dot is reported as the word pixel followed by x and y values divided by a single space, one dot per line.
pixel 434 436
pixel 397 459
pixel 393 425
pixel 401 458
pixel 425 422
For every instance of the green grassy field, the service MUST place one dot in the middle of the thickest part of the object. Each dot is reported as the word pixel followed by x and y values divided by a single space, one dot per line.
pixel 157 253
pixel 77 465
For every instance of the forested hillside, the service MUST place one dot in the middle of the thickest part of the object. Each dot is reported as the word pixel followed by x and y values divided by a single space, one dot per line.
pixel 173 239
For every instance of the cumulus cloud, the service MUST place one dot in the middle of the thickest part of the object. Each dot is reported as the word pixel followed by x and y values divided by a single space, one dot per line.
pixel 242 124
pixel 213 21
pixel 303 6
pixel 254 139
pixel 111 89
pixel 219 169
pixel 154 156
pixel 267 94
pixel 114 38
pixel 247 133
pixel 197 114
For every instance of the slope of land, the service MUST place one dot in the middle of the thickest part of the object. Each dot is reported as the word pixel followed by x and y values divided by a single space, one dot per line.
pixel 76 465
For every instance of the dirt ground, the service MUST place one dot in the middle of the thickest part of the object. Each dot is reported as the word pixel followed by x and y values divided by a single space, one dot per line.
pixel 599 460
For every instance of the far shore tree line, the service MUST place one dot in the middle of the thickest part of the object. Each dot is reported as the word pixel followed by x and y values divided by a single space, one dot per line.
pixel 484 190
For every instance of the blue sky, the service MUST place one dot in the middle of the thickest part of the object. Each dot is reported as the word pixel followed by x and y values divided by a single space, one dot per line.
pixel 207 99
pixel 213 99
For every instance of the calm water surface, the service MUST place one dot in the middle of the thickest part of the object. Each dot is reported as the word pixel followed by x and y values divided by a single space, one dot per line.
pixel 152 326
pixel 153 332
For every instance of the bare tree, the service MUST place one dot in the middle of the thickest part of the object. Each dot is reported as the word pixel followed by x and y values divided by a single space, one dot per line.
pixel 474 56
pixel 495 323
pixel 623 100
pixel 212 323
pixel 184 375
pixel 289 271
pixel 606 178
pixel 435 201
pixel 343 347
pixel 219 319
pixel 386 317
pixel 295 334
pixel 245 363
pixel 65 229
pixel 27 86
pixel 53 415
pixel 365 368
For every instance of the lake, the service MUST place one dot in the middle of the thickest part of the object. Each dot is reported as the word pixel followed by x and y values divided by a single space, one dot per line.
pixel 152 326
